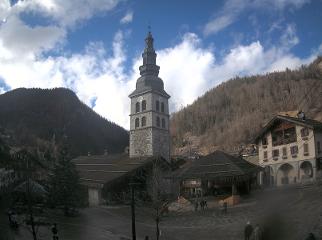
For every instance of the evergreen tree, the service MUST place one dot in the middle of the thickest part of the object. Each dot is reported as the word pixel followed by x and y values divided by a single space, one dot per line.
pixel 64 185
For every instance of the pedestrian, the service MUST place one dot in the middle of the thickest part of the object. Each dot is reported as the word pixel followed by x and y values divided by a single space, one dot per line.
pixel 258 232
pixel 310 237
pixel 206 206
pixel 196 205
pixel 248 231
pixel 54 230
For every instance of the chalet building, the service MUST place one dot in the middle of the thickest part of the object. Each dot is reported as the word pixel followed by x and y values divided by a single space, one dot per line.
pixel 213 173
pixel 290 150
pixel 108 175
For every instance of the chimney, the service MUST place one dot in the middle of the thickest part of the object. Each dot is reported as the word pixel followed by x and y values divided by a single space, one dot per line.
pixel 301 115
pixel 105 152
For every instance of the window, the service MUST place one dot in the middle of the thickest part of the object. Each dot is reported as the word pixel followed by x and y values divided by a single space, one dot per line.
pixel 157 105
pixel 143 105
pixel 275 154
pixel 304 132
pixel 294 150
pixel 137 107
pixel 143 121
pixel 163 123
pixel 306 149
pixel 319 147
pixel 284 152
pixel 264 141
pixel 158 121
pixel 137 123
pixel 284 136
pixel 162 107
pixel 265 156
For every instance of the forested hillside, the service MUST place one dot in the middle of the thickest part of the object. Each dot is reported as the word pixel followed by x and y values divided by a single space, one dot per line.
pixel 40 118
pixel 232 113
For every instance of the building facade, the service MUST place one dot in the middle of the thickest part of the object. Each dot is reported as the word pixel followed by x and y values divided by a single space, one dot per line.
pixel 290 150
pixel 149 117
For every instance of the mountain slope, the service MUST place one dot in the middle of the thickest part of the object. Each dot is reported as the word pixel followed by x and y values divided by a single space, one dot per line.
pixel 232 113
pixel 36 117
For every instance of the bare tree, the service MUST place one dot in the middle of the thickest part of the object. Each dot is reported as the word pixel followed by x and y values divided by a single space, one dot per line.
pixel 158 186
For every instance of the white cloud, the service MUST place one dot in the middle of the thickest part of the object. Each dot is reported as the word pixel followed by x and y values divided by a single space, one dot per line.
pixel 24 41
pixel 225 17
pixel 127 18
pixel 289 38
pixel 232 9
pixel 65 13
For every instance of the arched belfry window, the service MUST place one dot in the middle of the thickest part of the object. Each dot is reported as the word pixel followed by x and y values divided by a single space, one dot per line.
pixel 163 123
pixel 143 105
pixel 158 122
pixel 143 121
pixel 137 122
pixel 157 105
pixel 162 107
pixel 137 107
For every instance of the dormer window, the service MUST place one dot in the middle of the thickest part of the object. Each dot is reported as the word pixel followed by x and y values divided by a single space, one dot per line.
pixel 264 141
pixel 137 107
pixel 143 105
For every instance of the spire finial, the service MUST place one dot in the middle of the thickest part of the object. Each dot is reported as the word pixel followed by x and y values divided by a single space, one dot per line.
pixel 149 41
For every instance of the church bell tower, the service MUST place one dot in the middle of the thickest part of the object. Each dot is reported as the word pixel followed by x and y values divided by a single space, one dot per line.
pixel 149 118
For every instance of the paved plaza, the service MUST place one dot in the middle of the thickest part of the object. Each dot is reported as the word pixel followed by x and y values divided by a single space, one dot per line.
pixel 284 213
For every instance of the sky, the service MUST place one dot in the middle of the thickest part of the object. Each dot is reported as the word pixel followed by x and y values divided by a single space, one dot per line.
pixel 94 47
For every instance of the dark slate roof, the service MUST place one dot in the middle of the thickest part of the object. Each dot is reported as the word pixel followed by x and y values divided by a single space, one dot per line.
pixel 97 170
pixel 217 166
pixel 310 123
pixel 147 84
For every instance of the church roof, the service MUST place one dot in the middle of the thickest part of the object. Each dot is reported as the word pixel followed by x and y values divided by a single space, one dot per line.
pixel 98 170
pixel 218 166
pixel 149 71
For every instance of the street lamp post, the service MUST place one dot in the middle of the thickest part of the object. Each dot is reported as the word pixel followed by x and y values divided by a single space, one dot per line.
pixel 133 213
pixel 132 185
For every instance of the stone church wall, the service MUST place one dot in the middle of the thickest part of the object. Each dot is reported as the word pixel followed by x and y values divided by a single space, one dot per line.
pixel 141 142
pixel 161 143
